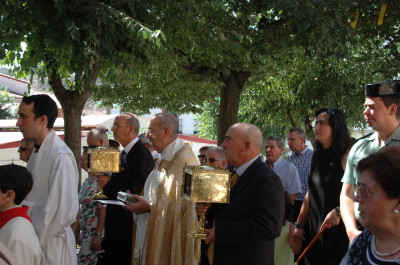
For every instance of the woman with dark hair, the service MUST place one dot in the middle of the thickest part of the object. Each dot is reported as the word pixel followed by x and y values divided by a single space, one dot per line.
pixel 332 143
pixel 378 195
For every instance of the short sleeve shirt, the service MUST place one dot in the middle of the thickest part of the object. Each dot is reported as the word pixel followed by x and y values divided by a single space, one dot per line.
pixel 363 148
pixel 288 174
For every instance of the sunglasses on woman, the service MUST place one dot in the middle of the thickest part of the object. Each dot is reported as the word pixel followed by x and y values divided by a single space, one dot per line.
pixel 21 149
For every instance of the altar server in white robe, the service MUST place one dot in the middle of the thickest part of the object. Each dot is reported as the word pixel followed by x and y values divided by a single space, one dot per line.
pixel 53 200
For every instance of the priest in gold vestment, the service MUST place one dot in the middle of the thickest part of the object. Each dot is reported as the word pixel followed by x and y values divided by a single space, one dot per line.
pixel 164 218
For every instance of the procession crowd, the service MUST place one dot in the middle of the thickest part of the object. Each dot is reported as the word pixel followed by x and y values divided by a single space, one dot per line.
pixel 340 198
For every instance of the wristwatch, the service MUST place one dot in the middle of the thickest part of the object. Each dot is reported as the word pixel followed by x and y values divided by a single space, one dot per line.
pixel 97 234
pixel 337 210
pixel 299 226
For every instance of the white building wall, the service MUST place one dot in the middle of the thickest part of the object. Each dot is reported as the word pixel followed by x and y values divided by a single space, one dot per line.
pixel 13 85
pixel 186 121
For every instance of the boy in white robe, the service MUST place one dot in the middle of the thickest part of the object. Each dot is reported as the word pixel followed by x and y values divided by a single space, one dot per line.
pixel 16 229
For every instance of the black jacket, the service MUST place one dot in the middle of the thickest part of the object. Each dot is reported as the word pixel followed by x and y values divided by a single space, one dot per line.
pixel 247 226
pixel 135 170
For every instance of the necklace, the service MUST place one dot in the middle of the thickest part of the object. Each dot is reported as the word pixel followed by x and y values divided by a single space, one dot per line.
pixel 383 254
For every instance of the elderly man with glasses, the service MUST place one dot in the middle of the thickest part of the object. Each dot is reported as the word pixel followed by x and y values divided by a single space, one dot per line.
pixel 136 164
pixel 164 217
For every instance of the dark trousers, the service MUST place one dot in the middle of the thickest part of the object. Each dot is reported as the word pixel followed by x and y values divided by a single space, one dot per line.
pixel 204 252
pixel 115 253
pixel 296 211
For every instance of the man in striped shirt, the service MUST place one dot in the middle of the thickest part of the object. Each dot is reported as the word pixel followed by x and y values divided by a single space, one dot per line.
pixel 301 158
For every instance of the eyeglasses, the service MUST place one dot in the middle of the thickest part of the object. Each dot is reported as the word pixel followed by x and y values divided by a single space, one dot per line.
pixel 364 192
pixel 211 159
pixel 116 125
pixel 202 157
pixel 22 149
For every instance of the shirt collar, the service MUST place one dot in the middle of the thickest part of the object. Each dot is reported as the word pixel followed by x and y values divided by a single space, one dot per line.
pixel 240 170
pixel 394 136
pixel 277 162
pixel 129 146
pixel 302 152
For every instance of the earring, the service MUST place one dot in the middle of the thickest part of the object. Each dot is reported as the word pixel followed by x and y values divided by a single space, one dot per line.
pixel 396 211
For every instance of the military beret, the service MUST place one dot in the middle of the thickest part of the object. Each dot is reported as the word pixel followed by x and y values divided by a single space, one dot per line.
pixel 383 89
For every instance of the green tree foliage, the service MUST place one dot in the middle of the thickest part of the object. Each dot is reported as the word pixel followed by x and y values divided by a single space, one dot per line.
pixel 227 45
pixel 290 97
pixel 73 43
pixel 208 120
pixel 324 64
pixel 158 83
pixel 5 105
pixel 203 49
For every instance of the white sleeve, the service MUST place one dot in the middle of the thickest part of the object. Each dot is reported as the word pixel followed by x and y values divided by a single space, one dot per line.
pixel 60 208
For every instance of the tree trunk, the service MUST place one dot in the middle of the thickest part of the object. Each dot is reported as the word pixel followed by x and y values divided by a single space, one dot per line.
pixel 230 96
pixel 73 107
pixel 290 118
pixel 72 103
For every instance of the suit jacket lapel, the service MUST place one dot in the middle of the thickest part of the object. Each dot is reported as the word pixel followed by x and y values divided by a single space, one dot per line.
pixel 131 154
pixel 244 179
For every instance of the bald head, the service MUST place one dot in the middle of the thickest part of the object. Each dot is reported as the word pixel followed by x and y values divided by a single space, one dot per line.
pixel 243 142
pixel 132 120
pixel 252 134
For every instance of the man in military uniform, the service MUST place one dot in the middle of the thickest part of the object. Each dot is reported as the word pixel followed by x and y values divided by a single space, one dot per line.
pixel 381 112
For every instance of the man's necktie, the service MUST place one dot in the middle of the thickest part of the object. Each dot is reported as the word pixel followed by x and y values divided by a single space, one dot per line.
pixel 234 179
pixel 123 154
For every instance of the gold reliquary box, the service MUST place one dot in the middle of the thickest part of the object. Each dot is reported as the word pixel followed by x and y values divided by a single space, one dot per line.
pixel 206 184
pixel 105 160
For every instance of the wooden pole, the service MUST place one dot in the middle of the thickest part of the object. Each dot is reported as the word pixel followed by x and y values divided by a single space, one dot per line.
pixel 308 247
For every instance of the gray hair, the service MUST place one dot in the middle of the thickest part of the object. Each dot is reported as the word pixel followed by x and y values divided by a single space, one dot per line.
pixel 278 141
pixel 170 121
pixel 99 133
pixel 299 132
pixel 133 120
pixel 144 139
pixel 217 149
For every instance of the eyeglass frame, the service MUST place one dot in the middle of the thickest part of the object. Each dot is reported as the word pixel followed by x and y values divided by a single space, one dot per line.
pixel 151 133
pixel 22 149
pixel 212 159
pixel 204 157
pixel 363 191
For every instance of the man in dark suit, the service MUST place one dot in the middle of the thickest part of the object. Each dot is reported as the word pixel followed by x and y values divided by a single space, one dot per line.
pixel 136 165
pixel 245 229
